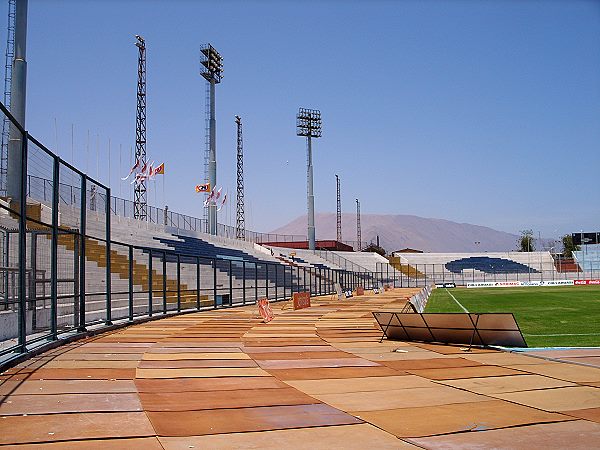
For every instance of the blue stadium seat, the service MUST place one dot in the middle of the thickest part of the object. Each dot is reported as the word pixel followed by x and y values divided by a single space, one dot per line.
pixel 488 265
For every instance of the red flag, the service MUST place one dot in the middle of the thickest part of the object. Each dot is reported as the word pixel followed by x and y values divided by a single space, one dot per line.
pixel 135 166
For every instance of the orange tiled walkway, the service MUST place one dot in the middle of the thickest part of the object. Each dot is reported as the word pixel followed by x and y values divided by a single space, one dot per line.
pixel 314 378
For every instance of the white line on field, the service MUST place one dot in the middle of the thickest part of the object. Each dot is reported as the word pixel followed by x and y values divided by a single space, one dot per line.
pixel 564 334
pixel 457 302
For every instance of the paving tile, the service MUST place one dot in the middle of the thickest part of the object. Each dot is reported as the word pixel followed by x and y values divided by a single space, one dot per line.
pixel 563 371
pixel 66 387
pixel 298 355
pixel 83 374
pixel 566 353
pixel 206 384
pixel 66 403
pixel 455 418
pixel 398 398
pixel 150 443
pixel 311 363
pixel 201 372
pixel 59 427
pixel 514 383
pixel 197 363
pixel 449 349
pixel 590 360
pixel 247 419
pixel 94 364
pixel 72 356
pixel 503 358
pixel 559 399
pixel 365 384
pixel 465 372
pixel 292 348
pixel 592 414
pixel 191 350
pixel 193 355
pixel 431 363
pixel 332 372
pixel 243 398
pixel 575 435
pixel 409 356
pixel 347 437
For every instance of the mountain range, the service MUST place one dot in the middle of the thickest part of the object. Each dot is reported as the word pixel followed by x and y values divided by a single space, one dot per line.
pixel 401 231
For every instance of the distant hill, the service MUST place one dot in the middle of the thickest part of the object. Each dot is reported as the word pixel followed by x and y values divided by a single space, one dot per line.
pixel 401 231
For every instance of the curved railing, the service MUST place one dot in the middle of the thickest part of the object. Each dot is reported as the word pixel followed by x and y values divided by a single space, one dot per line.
pixel 63 275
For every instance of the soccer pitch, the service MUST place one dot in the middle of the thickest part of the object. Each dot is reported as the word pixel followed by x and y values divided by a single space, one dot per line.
pixel 566 316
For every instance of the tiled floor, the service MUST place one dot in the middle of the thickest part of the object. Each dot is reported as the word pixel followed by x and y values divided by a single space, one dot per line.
pixel 313 378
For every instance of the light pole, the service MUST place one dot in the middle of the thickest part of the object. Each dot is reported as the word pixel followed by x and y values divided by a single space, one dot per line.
pixel 308 124
pixel 212 71
pixel 17 103
pixel 358 230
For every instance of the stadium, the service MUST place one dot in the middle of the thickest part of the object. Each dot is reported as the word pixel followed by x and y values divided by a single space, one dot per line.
pixel 124 324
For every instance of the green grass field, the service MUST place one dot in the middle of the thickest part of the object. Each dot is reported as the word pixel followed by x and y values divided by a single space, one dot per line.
pixel 565 316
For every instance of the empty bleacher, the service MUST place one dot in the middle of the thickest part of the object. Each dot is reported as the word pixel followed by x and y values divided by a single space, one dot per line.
pixel 488 266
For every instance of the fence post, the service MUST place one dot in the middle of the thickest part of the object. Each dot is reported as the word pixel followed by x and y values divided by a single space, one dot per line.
pixel 267 280
pixel 244 282
pixel 130 283
pixel 178 283
pixel 197 282
pixel 256 282
pixel 230 282
pixel 214 261
pixel 276 279
pixel 150 283
pixel 82 230
pixel 164 281
pixel 108 262
pixel 54 250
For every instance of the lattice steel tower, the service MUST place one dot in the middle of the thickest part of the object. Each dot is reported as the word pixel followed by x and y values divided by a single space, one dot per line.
pixel 308 123
pixel 212 71
pixel 140 198
pixel 8 63
pixel 358 232
pixel 339 209
pixel 240 222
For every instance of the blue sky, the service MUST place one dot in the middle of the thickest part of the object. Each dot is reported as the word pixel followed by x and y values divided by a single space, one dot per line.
pixel 484 112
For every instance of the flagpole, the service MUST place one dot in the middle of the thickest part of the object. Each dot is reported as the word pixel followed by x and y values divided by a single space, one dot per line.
pixel 120 167
pixel 130 165
pixel 72 145
pixel 87 153
pixel 97 155
pixel 108 184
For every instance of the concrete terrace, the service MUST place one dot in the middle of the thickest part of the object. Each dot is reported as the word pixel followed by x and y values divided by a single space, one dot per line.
pixel 313 378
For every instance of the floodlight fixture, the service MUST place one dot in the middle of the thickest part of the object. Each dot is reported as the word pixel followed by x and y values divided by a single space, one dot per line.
pixel 141 43
pixel 308 123
pixel 212 64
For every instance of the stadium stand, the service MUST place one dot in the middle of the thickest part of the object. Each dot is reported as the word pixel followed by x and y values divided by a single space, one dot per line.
pixel 463 267
pixel 588 258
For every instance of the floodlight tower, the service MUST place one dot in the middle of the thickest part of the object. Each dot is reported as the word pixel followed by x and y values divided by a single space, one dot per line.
pixel 339 210
pixel 9 56
pixel 358 232
pixel 308 123
pixel 212 71
pixel 140 198
pixel 18 90
pixel 240 222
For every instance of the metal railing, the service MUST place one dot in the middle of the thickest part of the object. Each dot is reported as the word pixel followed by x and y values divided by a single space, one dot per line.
pixel 419 275
pixel 40 189
pixel 65 280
